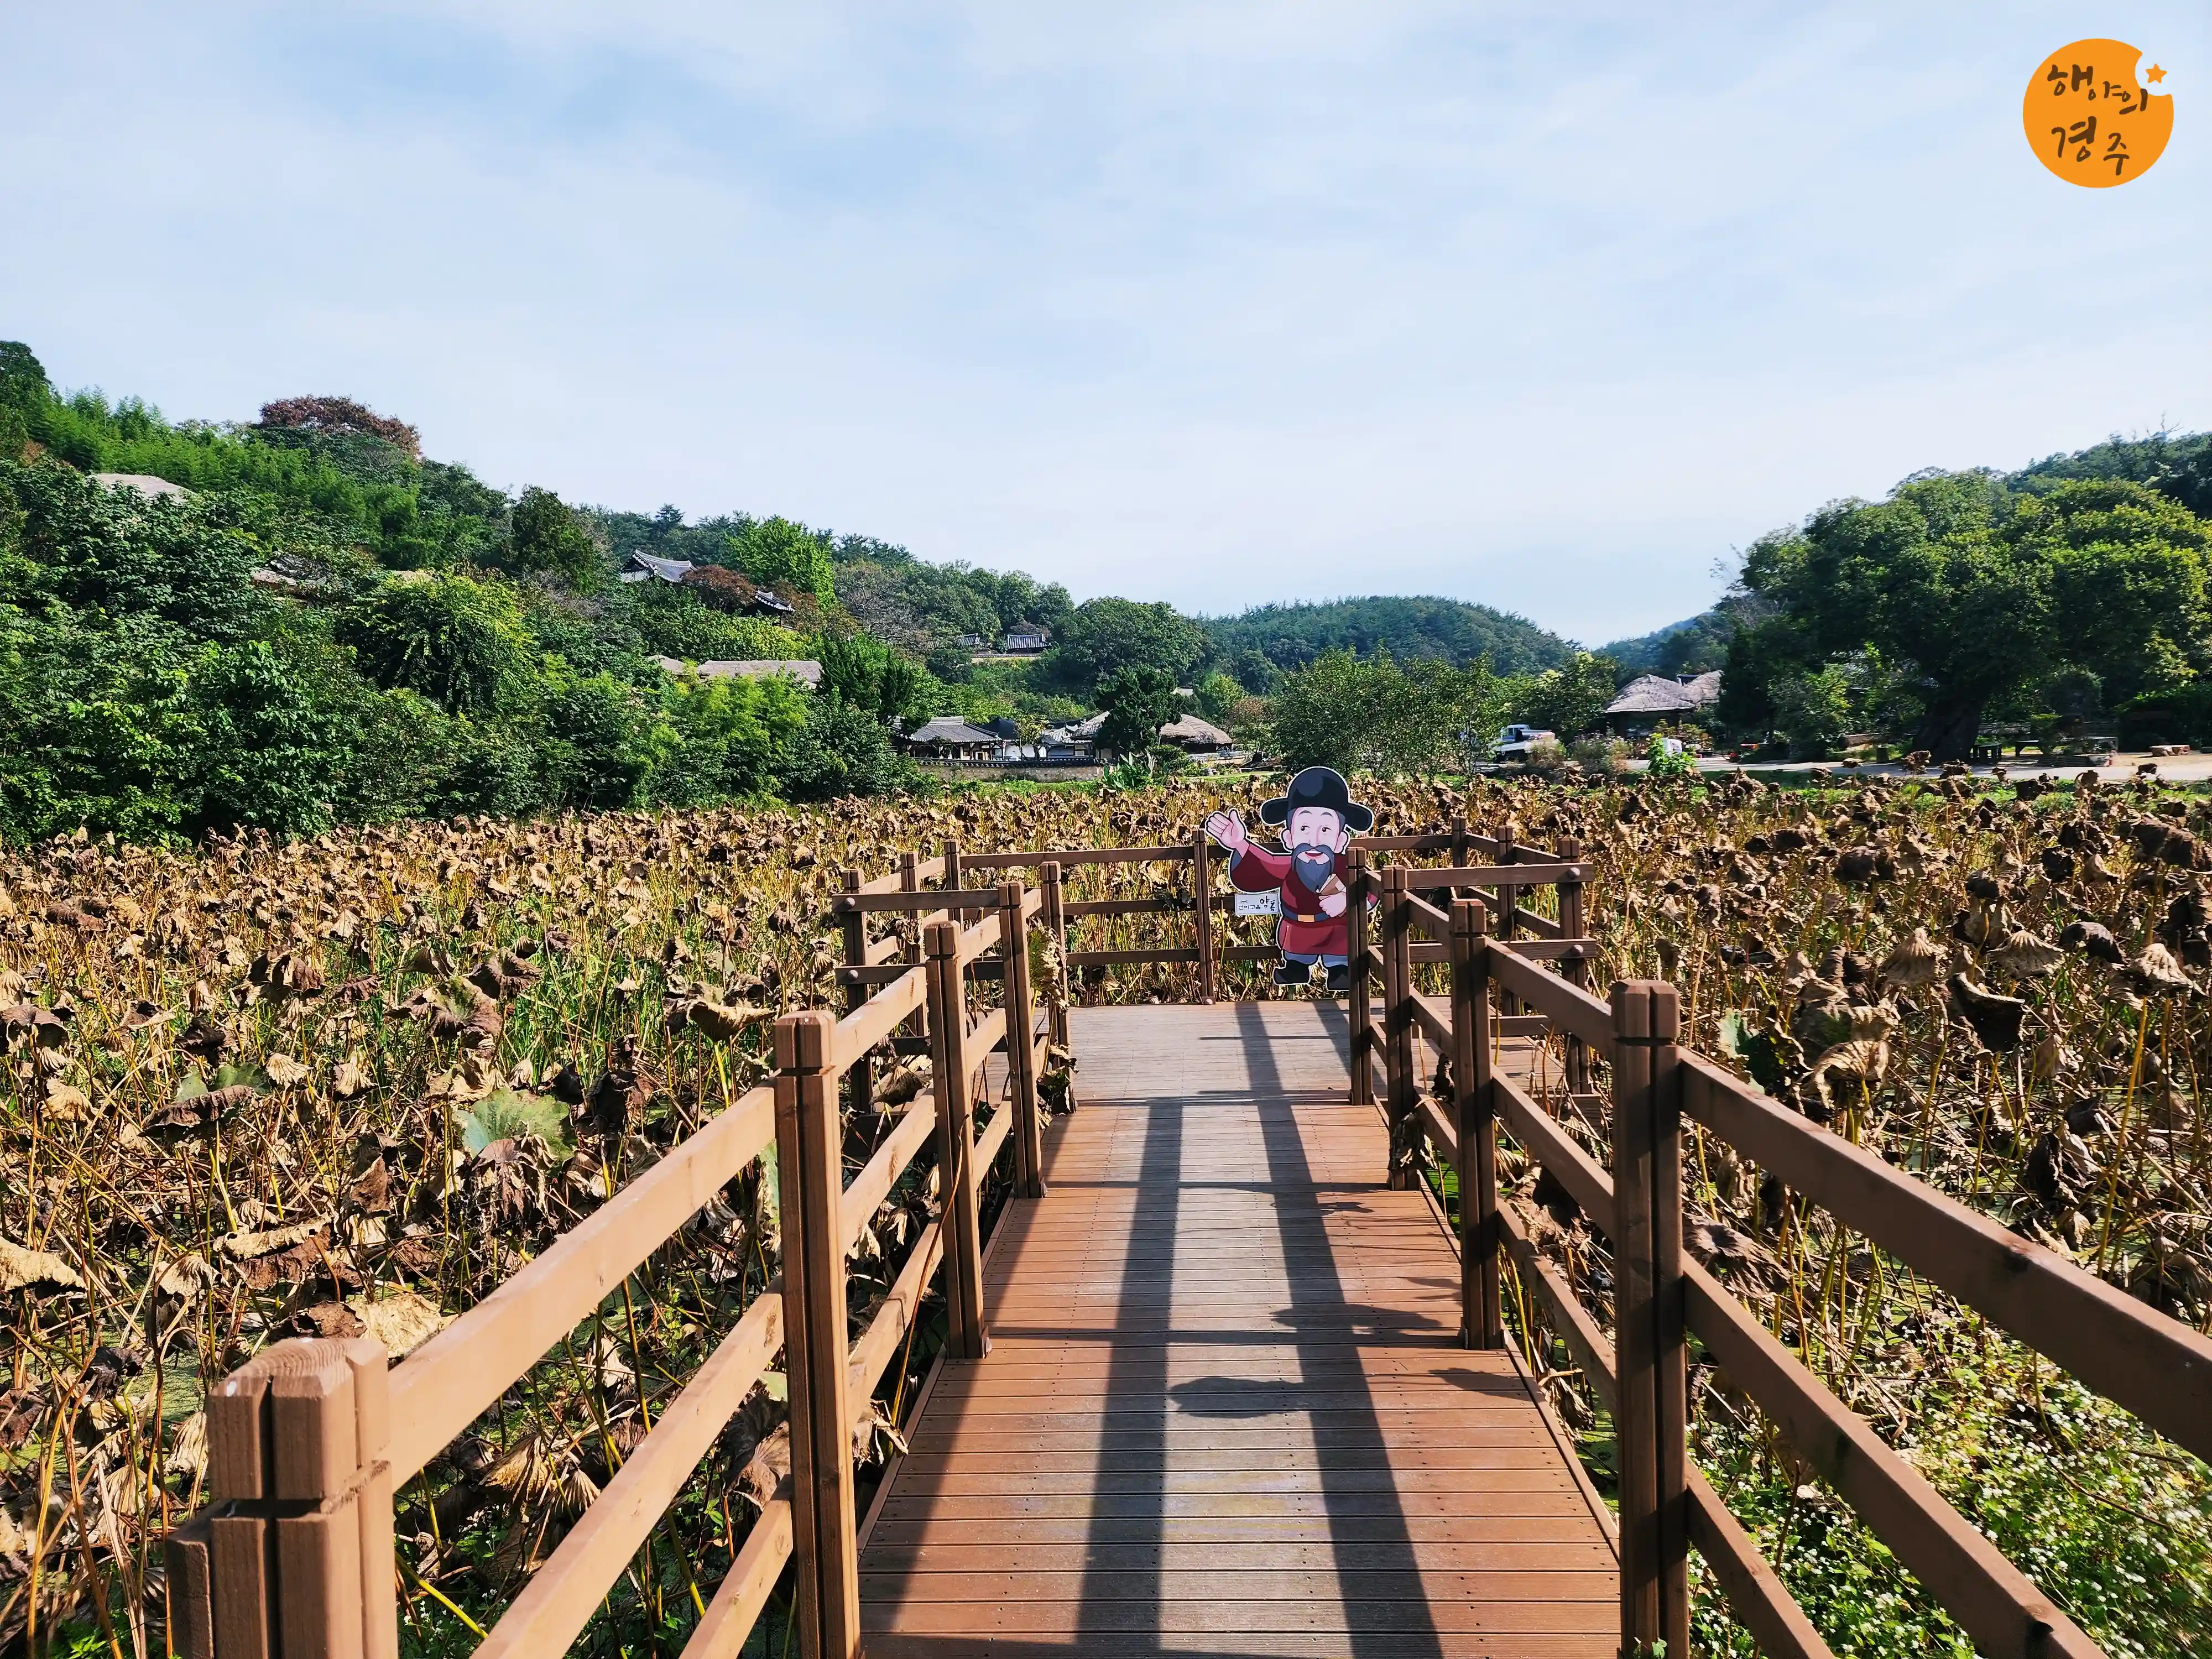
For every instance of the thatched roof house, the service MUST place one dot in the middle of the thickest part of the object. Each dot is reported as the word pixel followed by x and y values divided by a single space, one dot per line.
pixel 1199 736
pixel 145 483
pixel 1654 699
pixel 804 670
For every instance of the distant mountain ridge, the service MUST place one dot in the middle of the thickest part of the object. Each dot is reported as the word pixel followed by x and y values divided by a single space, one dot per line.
pixel 1689 647
pixel 1291 635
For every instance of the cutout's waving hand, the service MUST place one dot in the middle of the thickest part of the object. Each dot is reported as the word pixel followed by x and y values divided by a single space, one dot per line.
pixel 1228 829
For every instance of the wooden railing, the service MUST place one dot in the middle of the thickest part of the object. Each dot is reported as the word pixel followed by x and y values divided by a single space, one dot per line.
pixel 869 963
pixel 309 1441
pixel 2154 1366
pixel 295 1555
pixel 1393 929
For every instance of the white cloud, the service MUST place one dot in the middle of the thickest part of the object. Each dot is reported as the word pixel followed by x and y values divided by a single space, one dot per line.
pixel 1215 303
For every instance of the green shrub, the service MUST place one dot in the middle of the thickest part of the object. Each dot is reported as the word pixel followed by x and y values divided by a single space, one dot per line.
pixel 461 642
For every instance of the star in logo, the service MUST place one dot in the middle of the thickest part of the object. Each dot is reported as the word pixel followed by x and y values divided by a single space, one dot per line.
pixel 2154 74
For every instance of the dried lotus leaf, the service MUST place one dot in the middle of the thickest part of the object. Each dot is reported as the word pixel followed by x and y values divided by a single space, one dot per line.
pixel 21 1269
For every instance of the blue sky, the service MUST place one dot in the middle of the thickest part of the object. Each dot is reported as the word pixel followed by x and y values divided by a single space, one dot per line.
pixel 1544 305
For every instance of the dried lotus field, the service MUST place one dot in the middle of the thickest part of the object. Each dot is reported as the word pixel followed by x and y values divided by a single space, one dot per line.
pixel 349 1083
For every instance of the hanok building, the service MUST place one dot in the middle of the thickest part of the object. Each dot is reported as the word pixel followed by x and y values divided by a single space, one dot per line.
pixel 1194 736
pixel 1651 701
pixel 1078 741
pixel 724 588
pixel 950 737
pixel 644 567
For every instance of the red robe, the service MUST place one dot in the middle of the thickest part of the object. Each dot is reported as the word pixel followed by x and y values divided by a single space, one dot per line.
pixel 1303 930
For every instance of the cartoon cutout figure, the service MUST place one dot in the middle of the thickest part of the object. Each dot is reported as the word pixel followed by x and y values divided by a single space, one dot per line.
pixel 1318 818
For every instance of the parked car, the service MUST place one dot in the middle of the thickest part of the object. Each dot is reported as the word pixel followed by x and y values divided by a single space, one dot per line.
pixel 1514 742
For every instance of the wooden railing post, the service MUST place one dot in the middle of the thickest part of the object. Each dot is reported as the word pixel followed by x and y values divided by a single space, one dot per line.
pixel 1359 1015
pixel 1400 1079
pixel 1572 925
pixel 1201 889
pixel 862 1093
pixel 953 877
pixel 295 1557
pixel 1053 915
pixel 1481 1310
pixel 1650 1422
pixel 810 1179
pixel 1670 1310
pixel 1021 1043
pixel 909 923
pixel 969 1337
pixel 909 927
pixel 1507 918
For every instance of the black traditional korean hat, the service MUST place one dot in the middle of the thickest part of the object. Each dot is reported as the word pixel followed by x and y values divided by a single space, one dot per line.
pixel 1317 786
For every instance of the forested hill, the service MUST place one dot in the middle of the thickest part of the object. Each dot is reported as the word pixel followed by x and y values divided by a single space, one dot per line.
pixel 1291 636
pixel 2177 466
pixel 1689 647
pixel 306 620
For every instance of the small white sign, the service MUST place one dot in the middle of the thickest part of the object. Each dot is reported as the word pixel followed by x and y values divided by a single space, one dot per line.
pixel 1269 903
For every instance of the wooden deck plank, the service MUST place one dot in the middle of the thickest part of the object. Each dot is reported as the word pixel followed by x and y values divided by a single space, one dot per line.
pixel 1226 1411
pixel 1389 1503
pixel 1530 1455
pixel 1119 1610
pixel 1405 1533
pixel 1310 1556
pixel 1337 1478
pixel 1224 1644
pixel 1337 1583
pixel 1184 1439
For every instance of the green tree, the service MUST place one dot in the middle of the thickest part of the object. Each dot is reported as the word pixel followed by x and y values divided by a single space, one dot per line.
pixel 188 564
pixel 840 750
pixel 548 537
pixel 1218 695
pixel 1104 636
pixel 736 733
pixel 100 724
pixel 1255 672
pixel 871 675
pixel 787 558
pixel 1375 714
pixel 601 742
pixel 1813 711
pixel 267 751
pixel 1978 593
pixel 1320 714
pixel 23 384
pixel 673 621
pixel 1137 702
pixel 1569 699
pixel 461 642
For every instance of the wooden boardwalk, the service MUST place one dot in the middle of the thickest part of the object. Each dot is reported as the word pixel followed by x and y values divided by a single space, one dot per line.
pixel 1226 1411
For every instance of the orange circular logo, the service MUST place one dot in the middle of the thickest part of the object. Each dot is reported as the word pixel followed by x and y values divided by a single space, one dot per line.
pixel 2090 119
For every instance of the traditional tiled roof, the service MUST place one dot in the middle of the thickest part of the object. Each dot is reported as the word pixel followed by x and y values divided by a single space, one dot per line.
pixel 639 566
pixel 951 729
